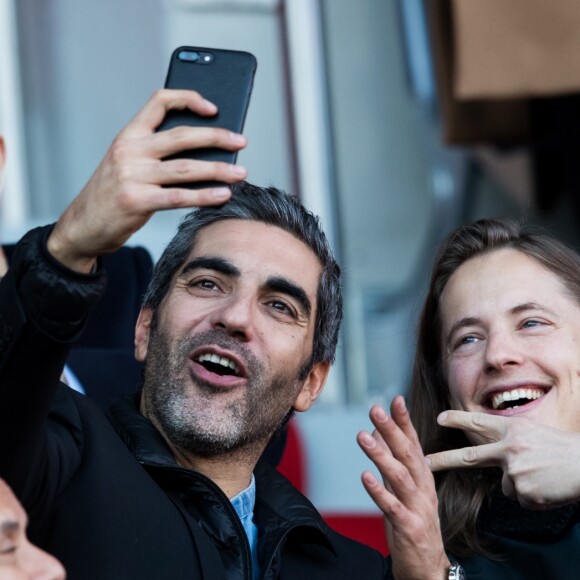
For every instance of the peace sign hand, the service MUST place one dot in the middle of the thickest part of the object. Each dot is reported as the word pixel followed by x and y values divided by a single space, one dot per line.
pixel 541 465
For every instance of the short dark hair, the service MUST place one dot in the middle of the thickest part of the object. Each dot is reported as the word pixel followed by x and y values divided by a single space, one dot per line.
pixel 461 492
pixel 273 207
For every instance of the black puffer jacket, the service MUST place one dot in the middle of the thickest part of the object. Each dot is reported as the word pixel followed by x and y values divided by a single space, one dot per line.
pixel 105 495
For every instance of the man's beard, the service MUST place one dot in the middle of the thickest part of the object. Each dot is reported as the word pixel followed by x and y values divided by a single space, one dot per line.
pixel 205 420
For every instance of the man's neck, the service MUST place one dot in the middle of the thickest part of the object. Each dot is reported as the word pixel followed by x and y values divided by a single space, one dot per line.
pixel 231 472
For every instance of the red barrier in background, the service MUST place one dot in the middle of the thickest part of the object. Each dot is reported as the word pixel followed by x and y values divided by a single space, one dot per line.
pixel 366 528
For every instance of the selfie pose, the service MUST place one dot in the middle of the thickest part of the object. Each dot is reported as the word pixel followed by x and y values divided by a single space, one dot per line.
pixel 238 330
pixel 495 409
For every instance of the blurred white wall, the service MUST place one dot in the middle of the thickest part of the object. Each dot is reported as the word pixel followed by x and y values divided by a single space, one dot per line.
pixel 13 205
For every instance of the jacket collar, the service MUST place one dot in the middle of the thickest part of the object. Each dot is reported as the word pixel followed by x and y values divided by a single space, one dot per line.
pixel 280 508
pixel 139 434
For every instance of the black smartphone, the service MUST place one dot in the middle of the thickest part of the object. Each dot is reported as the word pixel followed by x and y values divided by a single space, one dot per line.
pixel 224 77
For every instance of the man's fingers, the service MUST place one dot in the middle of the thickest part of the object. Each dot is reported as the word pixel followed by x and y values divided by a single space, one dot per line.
pixel 385 500
pixel 477 456
pixel 403 448
pixel 173 142
pixel 162 101
pixel 395 475
pixel 183 138
pixel 380 441
pixel 490 427
pixel 401 416
pixel 178 171
pixel 180 198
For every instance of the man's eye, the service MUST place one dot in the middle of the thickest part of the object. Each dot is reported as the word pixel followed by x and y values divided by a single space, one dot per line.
pixel 281 307
pixel 465 341
pixel 203 283
pixel 532 323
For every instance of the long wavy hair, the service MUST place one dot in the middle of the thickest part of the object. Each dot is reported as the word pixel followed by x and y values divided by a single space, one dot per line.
pixel 462 492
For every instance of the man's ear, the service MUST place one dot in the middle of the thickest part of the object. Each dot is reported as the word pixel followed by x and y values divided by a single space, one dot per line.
pixel 142 332
pixel 312 386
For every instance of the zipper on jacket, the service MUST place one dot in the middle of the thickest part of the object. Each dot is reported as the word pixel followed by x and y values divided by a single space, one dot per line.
pixel 224 500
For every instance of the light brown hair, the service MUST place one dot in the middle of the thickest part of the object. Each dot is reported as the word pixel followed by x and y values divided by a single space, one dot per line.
pixel 462 492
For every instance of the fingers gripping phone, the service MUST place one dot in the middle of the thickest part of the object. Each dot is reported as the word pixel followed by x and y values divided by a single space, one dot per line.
pixel 224 77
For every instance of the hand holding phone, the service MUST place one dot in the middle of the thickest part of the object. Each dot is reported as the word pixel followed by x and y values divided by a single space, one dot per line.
pixel 130 184
pixel 224 77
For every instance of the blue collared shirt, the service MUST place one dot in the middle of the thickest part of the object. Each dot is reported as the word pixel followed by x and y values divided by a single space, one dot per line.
pixel 244 504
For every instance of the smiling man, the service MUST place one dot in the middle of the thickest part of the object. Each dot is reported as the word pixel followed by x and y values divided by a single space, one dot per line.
pixel 495 402
pixel 228 340
pixel 238 330
pixel 511 334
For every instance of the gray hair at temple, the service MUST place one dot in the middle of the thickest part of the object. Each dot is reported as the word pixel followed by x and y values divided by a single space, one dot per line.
pixel 272 207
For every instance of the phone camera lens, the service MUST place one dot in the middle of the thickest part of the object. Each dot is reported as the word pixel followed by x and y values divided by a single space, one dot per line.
pixel 188 56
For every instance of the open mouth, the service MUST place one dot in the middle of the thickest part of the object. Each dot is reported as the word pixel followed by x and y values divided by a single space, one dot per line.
pixel 219 365
pixel 514 398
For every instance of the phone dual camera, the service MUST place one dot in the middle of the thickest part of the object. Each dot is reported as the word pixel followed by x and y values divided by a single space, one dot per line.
pixel 194 56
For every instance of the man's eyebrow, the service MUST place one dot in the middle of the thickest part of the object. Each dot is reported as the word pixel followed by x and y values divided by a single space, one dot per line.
pixel 284 285
pixel 277 283
pixel 210 263
pixel 526 306
pixel 467 321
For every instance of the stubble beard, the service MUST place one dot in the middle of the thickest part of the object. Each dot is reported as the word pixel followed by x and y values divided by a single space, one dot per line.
pixel 205 420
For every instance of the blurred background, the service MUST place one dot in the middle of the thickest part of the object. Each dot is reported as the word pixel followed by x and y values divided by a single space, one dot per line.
pixel 394 120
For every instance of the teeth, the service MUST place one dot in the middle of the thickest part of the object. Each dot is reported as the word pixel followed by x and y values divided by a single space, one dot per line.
pixel 515 395
pixel 218 360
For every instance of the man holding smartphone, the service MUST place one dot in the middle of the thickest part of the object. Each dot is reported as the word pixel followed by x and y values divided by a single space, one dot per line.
pixel 238 329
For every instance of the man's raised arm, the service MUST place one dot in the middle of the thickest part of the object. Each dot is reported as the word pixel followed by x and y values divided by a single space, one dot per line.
pixel 53 280
pixel 134 181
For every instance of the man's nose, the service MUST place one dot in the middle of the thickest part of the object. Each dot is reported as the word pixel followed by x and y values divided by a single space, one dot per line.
pixel 237 316
pixel 502 351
